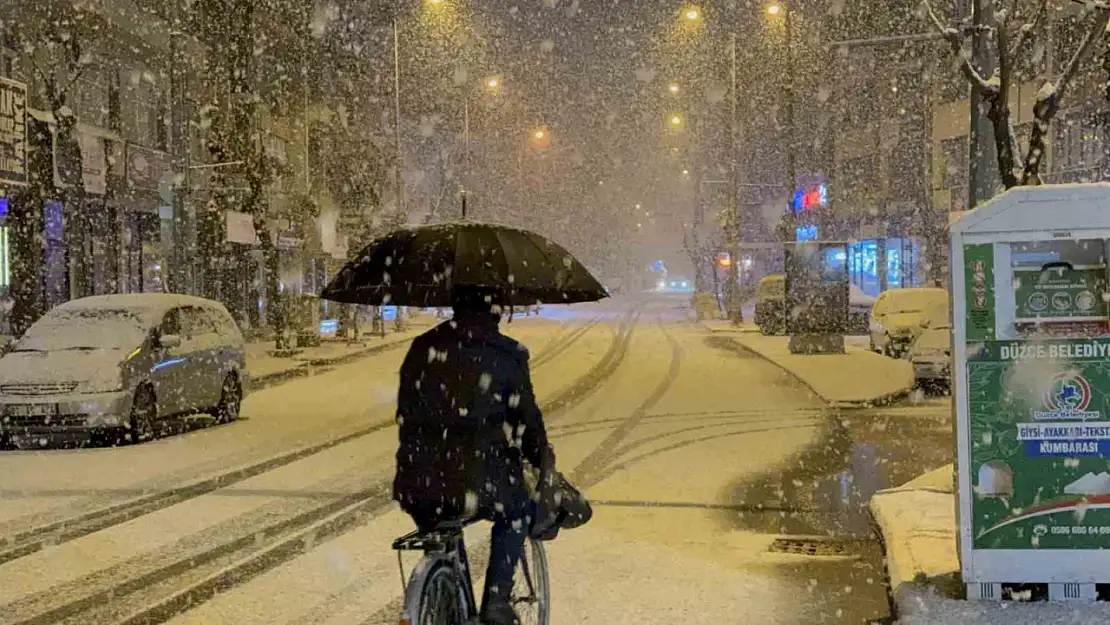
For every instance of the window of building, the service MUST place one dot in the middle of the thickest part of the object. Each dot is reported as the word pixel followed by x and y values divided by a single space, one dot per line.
pixel 142 108
pixel 954 161
pixel 1079 143
pixel 90 95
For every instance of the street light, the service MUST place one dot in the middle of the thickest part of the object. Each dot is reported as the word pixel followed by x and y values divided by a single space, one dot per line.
pixel 673 88
pixel 691 14
pixel 539 134
pixel 788 53
pixel 676 120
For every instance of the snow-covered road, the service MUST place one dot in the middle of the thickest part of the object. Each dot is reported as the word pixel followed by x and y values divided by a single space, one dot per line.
pixel 657 424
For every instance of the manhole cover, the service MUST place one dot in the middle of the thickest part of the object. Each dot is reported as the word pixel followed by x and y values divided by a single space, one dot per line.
pixel 810 547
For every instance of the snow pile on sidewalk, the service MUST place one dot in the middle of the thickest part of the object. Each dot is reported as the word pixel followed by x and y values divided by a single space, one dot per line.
pixel 856 377
pixel 922 606
pixel 918 523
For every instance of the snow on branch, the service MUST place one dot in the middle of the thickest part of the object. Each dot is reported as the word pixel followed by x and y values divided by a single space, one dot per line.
pixel 1028 29
pixel 1015 146
pixel 1095 33
pixel 955 39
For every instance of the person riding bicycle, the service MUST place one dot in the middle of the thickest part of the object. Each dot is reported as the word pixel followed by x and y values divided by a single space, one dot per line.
pixel 467 416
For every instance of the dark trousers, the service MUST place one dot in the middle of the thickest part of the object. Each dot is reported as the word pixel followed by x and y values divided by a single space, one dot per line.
pixel 510 528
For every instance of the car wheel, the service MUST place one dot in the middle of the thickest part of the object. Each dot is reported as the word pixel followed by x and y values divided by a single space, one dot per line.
pixel 144 411
pixel 231 397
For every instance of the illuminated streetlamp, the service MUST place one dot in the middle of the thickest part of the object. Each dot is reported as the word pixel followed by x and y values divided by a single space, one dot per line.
pixel 673 88
pixel 676 120
pixel 539 134
pixel 774 9
pixel 691 14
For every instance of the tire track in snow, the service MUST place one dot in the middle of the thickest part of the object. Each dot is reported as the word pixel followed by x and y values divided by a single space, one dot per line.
pixel 237 561
pixel 584 475
pixel 38 538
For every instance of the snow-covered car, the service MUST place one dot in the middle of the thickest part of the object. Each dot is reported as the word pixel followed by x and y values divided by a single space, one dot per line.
pixel 113 365
pixel 900 315
pixel 931 355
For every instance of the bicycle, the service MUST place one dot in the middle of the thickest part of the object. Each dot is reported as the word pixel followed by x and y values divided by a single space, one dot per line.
pixel 441 590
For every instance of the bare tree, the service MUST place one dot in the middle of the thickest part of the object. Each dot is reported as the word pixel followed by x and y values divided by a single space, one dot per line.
pixel 1000 23
pixel 56 37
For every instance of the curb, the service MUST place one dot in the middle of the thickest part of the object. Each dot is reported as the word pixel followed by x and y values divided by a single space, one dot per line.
pixel 710 330
pixel 303 368
pixel 878 401
pixel 892 605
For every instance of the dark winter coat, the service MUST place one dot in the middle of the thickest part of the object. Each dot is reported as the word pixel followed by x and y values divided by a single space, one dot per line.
pixel 467 414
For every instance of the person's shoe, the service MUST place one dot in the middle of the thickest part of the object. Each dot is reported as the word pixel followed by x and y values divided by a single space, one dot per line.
pixel 499 613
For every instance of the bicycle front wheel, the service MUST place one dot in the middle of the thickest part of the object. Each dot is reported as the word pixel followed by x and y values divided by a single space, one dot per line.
pixel 441 599
pixel 531 598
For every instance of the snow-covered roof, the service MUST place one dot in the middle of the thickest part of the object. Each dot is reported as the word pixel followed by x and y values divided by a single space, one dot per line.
pixel 1047 207
pixel 152 303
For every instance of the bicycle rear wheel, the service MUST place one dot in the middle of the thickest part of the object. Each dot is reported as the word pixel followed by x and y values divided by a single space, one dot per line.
pixel 531 597
pixel 442 599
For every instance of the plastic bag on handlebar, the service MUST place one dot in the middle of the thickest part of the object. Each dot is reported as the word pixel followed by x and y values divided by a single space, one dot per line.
pixel 559 505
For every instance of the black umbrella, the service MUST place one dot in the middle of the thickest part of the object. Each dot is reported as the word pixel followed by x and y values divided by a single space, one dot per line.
pixel 423 267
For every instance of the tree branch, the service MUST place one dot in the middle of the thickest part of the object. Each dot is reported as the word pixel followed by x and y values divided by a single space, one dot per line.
pixel 1048 100
pixel 1096 33
pixel 955 40
pixel 1028 29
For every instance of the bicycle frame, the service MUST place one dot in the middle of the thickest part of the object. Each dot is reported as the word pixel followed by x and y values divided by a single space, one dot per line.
pixel 443 547
pixel 446 547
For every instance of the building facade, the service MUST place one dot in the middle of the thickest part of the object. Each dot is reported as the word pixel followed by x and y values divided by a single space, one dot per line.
pixel 133 102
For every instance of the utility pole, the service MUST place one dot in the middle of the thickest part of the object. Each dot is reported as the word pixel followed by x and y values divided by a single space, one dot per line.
pixel 736 306
pixel 399 174
pixel 791 165
pixel 180 272
pixel 466 149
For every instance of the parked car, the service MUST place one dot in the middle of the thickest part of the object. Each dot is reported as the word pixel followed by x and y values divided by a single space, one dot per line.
pixel 931 355
pixel 770 306
pixel 899 316
pixel 114 365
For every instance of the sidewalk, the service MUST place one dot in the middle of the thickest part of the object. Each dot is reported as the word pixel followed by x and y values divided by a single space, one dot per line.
pixel 266 370
pixel 854 379
pixel 918 525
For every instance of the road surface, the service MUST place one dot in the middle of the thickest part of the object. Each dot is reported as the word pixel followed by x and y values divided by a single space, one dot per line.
pixel 723 491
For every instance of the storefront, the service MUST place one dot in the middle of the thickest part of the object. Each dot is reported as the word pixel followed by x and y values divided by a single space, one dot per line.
pixel 885 263
pixel 13 176
pixel 147 223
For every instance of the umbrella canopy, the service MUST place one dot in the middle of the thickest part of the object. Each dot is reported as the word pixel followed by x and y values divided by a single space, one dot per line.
pixel 423 266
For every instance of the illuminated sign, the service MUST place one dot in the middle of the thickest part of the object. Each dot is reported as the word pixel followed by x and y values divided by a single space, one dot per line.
pixel 805 233
pixel 814 198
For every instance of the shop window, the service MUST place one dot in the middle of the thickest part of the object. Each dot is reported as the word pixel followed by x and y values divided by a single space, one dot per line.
pixel 5 259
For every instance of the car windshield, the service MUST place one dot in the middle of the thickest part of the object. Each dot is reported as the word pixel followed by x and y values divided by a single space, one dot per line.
pixel 84 329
